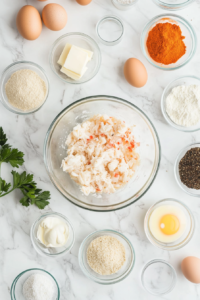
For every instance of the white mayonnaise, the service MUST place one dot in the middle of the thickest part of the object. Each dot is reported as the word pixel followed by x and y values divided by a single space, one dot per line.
pixel 53 232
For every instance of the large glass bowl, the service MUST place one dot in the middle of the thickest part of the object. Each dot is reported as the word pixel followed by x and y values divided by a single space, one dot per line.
pixel 187 31
pixel 144 132
pixel 80 40
pixel 172 4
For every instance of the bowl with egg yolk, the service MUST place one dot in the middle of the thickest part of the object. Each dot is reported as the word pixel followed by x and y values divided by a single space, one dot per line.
pixel 169 224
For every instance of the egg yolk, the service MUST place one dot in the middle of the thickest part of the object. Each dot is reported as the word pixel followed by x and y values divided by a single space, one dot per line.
pixel 169 224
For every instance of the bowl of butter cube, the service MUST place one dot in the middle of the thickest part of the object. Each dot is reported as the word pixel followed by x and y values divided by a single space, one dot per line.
pixel 75 58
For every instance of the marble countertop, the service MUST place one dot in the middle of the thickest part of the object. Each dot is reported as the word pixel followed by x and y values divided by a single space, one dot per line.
pixel 27 134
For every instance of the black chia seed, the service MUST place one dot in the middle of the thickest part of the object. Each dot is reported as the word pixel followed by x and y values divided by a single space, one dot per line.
pixel 189 168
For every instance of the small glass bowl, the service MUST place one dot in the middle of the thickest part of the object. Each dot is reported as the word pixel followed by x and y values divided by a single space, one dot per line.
pixel 16 291
pixel 51 252
pixel 185 80
pixel 107 279
pixel 172 5
pixel 191 192
pixel 5 77
pixel 124 6
pixel 80 40
pixel 184 239
pixel 187 31
pixel 158 277
pixel 110 30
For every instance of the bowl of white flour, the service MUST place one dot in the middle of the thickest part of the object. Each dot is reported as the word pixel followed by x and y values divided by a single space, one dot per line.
pixel 180 103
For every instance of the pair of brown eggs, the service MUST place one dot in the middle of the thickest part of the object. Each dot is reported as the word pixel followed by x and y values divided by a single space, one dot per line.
pixel 29 22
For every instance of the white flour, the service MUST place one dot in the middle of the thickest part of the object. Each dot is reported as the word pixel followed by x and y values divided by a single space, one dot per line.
pixel 38 287
pixel 183 105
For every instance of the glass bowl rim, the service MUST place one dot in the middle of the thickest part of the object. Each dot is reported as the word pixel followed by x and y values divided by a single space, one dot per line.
pixel 162 103
pixel 114 42
pixel 149 263
pixel 171 6
pixel 28 270
pixel 76 34
pixel 62 217
pixel 30 63
pixel 125 4
pixel 95 98
pixel 104 281
pixel 160 245
pixel 178 158
pixel 146 29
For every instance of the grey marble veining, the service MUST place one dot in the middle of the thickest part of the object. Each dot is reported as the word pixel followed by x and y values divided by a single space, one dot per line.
pixel 27 133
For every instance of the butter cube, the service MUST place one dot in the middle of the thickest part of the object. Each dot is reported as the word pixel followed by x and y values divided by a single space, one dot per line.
pixel 72 74
pixel 76 60
pixel 64 54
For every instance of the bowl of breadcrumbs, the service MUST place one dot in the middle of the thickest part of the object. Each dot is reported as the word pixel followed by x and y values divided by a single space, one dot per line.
pixel 24 87
pixel 106 256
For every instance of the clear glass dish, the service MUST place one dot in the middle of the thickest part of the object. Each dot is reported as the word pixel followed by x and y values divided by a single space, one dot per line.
pixel 110 30
pixel 172 4
pixel 191 192
pixel 185 80
pixel 187 235
pixel 144 132
pixel 80 40
pixel 107 279
pixel 5 77
pixel 124 6
pixel 51 252
pixel 187 31
pixel 16 291
pixel 158 277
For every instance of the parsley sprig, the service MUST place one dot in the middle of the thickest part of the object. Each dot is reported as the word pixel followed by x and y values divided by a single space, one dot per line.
pixel 24 182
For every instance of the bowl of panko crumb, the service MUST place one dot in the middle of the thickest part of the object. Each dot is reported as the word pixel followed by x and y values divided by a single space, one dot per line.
pixel 24 87
pixel 106 256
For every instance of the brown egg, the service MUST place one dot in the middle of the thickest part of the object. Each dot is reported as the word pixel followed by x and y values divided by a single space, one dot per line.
pixel 29 23
pixel 135 72
pixel 83 2
pixel 191 268
pixel 54 16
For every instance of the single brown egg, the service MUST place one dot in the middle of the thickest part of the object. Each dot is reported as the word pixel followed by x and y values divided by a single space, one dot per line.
pixel 135 72
pixel 29 23
pixel 191 268
pixel 54 16
pixel 83 2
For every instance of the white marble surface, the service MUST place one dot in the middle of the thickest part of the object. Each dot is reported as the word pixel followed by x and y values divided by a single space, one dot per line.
pixel 27 133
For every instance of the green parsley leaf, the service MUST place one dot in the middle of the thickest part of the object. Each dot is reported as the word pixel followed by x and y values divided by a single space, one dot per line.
pixel 23 181
pixel 4 187
pixel 9 155
pixel 28 187
pixel 3 138
pixel 12 156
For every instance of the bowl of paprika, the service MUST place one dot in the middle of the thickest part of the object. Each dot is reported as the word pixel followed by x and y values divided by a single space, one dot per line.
pixel 168 42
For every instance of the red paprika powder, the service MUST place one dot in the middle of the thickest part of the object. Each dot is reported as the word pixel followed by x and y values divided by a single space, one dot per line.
pixel 165 43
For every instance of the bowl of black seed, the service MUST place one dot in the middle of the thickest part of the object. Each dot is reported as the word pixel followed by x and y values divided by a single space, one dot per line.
pixel 187 169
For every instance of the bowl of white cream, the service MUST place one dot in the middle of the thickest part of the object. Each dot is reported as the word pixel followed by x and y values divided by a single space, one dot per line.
pixel 52 234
